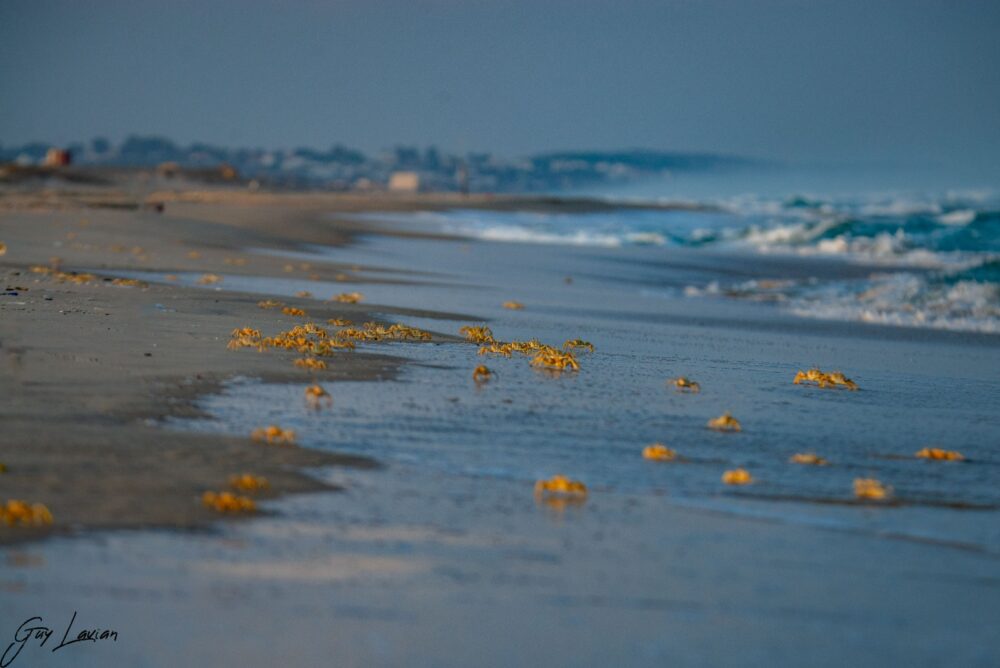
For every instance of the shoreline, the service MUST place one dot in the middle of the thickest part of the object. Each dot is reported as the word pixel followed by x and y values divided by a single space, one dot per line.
pixel 434 539
pixel 92 370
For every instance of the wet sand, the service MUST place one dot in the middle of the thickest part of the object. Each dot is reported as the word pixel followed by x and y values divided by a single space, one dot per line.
pixel 438 554
pixel 87 371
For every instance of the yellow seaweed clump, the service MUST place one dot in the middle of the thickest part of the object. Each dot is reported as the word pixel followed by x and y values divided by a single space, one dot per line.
pixel 310 363
pixel 737 477
pixel 495 348
pixel 481 374
pixel 560 486
pixel 477 334
pixel 348 297
pixel 62 276
pixel 269 303
pixel 308 339
pixel 274 435
pixel 578 344
pixel 939 454
pixel 373 331
pixel 659 452
pixel 555 360
pixel 684 384
pixel 17 512
pixel 872 489
pixel 227 502
pixel 807 458
pixel 248 482
pixel 245 337
pixel 73 277
pixel 725 422
pixel 825 380
pixel 128 282
pixel 317 397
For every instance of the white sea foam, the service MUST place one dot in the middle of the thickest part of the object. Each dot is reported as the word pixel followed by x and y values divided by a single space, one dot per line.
pixel 518 234
pixel 941 236
pixel 959 217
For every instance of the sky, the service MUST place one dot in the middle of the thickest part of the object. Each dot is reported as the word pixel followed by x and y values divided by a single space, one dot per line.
pixel 875 81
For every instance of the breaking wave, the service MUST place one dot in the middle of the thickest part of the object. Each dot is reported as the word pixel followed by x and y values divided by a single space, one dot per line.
pixel 938 257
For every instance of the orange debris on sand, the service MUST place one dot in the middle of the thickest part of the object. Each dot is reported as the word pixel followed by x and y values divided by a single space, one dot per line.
pixel 685 385
pixel 248 482
pixel 227 502
pixel 737 477
pixel 17 512
pixel 316 396
pixel 807 458
pixel 348 297
pixel 578 344
pixel 245 337
pixel 477 334
pixel 939 454
pixel 555 360
pixel 310 363
pixel 870 488
pixel 725 422
pixel 659 452
pixel 481 374
pixel 128 282
pixel 825 380
pixel 274 435
pixel 560 485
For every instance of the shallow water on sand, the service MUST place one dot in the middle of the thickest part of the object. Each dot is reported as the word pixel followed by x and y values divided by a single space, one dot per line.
pixel 935 389
pixel 443 557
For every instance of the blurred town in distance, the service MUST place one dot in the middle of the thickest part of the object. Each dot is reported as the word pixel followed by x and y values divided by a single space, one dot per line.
pixel 340 168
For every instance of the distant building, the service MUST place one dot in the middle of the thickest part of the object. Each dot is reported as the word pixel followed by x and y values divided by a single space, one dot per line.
pixel 168 169
pixel 57 157
pixel 228 173
pixel 404 182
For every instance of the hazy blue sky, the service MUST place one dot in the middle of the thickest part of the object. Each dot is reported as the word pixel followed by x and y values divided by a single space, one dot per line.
pixel 890 80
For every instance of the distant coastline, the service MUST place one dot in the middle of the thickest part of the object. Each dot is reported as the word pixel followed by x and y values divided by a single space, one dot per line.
pixel 340 168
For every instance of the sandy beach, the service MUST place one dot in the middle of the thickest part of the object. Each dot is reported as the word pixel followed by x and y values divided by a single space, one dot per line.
pixel 88 368
pixel 403 528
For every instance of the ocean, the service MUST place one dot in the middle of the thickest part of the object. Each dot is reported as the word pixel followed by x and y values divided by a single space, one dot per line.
pixel 933 260
pixel 738 294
